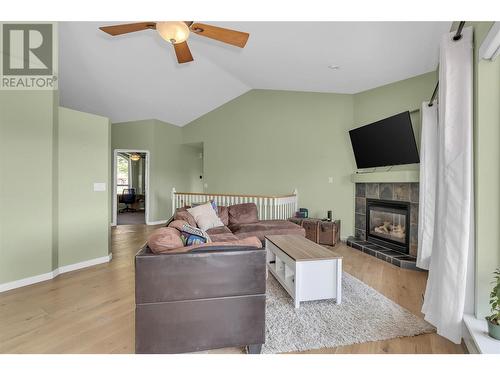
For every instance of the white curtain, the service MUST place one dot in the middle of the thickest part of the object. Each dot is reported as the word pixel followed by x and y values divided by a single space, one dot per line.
pixel 453 227
pixel 428 176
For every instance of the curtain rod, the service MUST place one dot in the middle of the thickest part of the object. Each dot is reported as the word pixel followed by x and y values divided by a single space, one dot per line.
pixel 458 36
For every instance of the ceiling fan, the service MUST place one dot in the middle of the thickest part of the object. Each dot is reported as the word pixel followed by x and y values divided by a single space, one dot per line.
pixel 177 33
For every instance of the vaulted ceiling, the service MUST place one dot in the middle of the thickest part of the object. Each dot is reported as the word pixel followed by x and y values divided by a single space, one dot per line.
pixel 136 76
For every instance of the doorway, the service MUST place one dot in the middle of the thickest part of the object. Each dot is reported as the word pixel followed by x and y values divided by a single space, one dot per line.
pixel 131 187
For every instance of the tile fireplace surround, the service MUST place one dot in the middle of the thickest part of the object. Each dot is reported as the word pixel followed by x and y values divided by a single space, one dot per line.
pixel 398 192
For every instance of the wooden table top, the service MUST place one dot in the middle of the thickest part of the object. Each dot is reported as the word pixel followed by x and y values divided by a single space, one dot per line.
pixel 301 249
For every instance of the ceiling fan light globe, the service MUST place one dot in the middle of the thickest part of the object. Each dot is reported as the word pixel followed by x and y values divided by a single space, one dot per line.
pixel 173 31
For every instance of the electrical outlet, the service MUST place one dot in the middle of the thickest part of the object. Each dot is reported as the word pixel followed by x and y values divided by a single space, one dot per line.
pixel 330 180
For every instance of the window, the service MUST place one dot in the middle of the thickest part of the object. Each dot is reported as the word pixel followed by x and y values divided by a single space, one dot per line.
pixel 122 174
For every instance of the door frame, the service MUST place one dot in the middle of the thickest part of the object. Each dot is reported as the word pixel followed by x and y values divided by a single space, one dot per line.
pixel 115 190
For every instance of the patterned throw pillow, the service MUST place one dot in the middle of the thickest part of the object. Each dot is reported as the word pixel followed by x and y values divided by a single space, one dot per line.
pixel 193 236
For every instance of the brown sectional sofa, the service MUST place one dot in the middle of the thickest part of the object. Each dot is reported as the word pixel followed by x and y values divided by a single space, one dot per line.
pixel 205 299
pixel 242 221
pixel 259 230
pixel 208 297
pixel 266 227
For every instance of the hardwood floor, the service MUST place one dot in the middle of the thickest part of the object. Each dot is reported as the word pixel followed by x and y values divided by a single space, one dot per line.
pixel 92 310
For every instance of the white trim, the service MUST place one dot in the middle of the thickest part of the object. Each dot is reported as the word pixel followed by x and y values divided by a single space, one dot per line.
pixel 84 264
pixel 490 48
pixel 157 222
pixel 115 203
pixel 469 340
pixel 26 281
pixel 50 275
pixel 476 338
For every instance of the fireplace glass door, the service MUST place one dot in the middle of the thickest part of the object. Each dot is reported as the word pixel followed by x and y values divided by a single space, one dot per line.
pixel 388 221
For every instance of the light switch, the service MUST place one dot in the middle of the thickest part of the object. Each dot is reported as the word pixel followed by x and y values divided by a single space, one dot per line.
pixel 330 180
pixel 99 186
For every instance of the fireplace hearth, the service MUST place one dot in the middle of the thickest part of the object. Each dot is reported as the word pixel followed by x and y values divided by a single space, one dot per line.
pixel 387 224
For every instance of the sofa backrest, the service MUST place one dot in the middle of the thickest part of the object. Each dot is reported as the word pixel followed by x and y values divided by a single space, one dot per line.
pixel 243 213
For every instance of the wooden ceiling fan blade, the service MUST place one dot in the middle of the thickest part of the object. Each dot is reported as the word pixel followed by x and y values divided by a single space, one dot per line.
pixel 183 52
pixel 236 38
pixel 128 28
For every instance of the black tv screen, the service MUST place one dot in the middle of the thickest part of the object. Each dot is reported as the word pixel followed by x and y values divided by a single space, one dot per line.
pixel 386 142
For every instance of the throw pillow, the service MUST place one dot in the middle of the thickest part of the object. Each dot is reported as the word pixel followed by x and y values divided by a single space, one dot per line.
pixel 243 213
pixel 164 239
pixel 205 216
pixel 183 214
pixel 212 202
pixel 177 224
pixel 193 236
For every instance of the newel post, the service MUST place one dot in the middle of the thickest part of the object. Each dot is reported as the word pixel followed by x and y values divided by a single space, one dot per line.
pixel 173 201
pixel 296 193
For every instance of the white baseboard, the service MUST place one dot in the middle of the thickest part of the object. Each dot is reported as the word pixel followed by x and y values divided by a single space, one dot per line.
pixel 26 281
pixel 157 222
pixel 84 264
pixel 50 275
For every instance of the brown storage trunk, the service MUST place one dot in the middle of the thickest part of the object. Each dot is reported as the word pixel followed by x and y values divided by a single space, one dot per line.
pixel 311 227
pixel 329 232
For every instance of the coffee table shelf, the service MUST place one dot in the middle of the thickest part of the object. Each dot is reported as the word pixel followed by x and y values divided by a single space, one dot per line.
pixel 307 271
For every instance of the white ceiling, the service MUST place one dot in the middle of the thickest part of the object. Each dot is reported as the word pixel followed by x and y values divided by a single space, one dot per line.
pixel 136 76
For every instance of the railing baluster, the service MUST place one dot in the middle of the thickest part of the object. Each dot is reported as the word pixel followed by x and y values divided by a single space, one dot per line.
pixel 268 207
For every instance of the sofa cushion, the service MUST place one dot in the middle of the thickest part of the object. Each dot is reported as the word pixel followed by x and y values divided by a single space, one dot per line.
pixel 218 230
pixel 183 214
pixel 205 216
pixel 221 234
pixel 243 213
pixel 223 212
pixel 177 224
pixel 223 237
pixel 267 227
pixel 164 239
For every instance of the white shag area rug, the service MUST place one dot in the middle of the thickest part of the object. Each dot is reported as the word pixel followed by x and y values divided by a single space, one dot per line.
pixel 364 315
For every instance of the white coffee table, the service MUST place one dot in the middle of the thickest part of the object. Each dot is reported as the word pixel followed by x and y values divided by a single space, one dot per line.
pixel 306 270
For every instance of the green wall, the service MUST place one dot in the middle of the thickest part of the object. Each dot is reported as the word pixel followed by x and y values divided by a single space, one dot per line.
pixel 26 183
pixel 49 216
pixel 171 163
pixel 271 142
pixel 487 171
pixel 84 158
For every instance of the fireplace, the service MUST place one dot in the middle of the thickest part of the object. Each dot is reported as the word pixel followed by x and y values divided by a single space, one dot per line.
pixel 388 224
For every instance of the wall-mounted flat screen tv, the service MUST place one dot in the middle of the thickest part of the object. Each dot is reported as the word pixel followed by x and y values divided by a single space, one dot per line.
pixel 384 143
